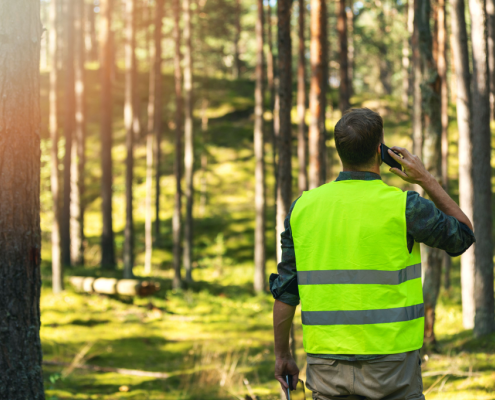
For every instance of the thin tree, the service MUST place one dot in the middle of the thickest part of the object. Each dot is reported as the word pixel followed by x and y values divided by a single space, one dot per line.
pixel 430 98
pixel 464 123
pixel 259 142
pixel 405 60
pixel 482 190
pixel 204 152
pixel 57 268
pixel 106 60
pixel 20 242
pixel 90 41
pixel 490 21
pixel 188 140
pixel 302 145
pixel 350 52
pixel 344 94
pixel 237 38
pixel 177 217
pixel 129 121
pixel 317 96
pixel 154 127
pixel 69 122
pixel 417 112
pixel 78 142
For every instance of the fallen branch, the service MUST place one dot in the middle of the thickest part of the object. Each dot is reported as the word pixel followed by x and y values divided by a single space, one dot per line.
pixel 122 371
pixel 112 286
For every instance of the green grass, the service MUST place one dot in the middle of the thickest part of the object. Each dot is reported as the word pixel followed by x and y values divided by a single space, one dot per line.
pixel 213 335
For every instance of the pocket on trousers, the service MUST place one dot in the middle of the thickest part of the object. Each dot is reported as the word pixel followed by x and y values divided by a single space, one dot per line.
pixel 320 361
pixel 322 375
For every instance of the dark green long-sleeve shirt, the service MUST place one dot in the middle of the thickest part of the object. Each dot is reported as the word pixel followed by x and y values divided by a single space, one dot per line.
pixel 425 224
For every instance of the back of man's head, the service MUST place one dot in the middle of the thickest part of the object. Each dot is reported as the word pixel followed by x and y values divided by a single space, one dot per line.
pixel 357 136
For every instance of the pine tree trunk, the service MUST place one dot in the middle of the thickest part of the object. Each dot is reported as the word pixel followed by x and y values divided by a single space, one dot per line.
pixel 482 173
pixel 417 117
pixel 78 143
pixel 301 103
pixel 350 52
pixel 464 123
pixel 57 268
pixel 237 59
pixel 129 120
pixel 430 97
pixel 204 157
pixel 90 33
pixel 441 39
pixel 177 217
pixel 20 243
pixel 158 109
pixel 106 60
pixel 317 96
pixel 405 63
pixel 284 187
pixel 188 141
pixel 344 102
pixel 490 21
pixel 259 142
pixel 69 125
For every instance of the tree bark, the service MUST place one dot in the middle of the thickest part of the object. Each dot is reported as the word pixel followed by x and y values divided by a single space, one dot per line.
pixel 430 98
pixel 317 96
pixel 69 125
pixel 129 121
pixel 158 109
pixel 91 43
pixel 464 123
pixel 78 143
pixel 176 219
pixel 344 102
pixel 237 59
pixel 20 243
pixel 417 118
pixel 490 21
pixel 284 187
pixel 188 140
pixel 482 189
pixel 301 103
pixel 106 61
pixel 204 156
pixel 405 62
pixel 259 142
pixel 350 52
pixel 57 268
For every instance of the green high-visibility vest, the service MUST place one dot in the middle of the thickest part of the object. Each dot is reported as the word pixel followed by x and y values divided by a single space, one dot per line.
pixel 360 288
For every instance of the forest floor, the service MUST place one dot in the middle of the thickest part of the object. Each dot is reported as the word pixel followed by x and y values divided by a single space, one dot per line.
pixel 213 339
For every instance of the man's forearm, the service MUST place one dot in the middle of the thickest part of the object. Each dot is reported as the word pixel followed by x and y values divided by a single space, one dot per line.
pixel 283 315
pixel 444 202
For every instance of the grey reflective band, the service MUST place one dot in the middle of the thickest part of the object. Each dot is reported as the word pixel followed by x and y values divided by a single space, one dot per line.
pixel 363 317
pixel 359 277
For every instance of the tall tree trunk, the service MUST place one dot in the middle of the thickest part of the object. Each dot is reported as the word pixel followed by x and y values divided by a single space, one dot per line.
pixel 301 103
pixel 417 117
pixel 259 143
pixel 482 174
pixel 490 21
pixel 78 144
pixel 464 123
pixel 106 62
pixel 68 131
pixel 176 219
pixel 317 96
pixel 129 121
pixel 441 39
pixel 90 33
pixel 344 96
pixel 158 109
pixel 57 268
pixel 188 140
pixel 237 59
pixel 350 52
pixel 284 189
pixel 20 243
pixel 405 62
pixel 204 156
pixel 430 96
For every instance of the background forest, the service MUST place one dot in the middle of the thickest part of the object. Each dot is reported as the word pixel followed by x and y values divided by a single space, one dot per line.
pixel 175 136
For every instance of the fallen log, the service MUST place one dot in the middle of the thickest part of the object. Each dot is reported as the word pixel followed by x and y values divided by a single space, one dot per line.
pixel 122 371
pixel 124 287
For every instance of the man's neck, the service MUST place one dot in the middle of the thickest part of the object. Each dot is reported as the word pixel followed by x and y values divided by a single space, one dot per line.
pixel 375 169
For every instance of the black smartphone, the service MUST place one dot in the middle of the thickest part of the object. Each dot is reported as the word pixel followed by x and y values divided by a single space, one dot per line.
pixel 387 159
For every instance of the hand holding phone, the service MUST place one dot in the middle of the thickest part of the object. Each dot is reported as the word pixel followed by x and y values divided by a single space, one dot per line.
pixel 387 158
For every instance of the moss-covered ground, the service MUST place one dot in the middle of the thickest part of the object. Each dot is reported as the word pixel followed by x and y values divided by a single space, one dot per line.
pixel 213 339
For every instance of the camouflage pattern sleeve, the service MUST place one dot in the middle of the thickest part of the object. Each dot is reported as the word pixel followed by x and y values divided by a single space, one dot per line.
pixel 427 224
pixel 284 284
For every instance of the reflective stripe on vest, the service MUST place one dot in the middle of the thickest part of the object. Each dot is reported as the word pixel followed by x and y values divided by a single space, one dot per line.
pixel 360 288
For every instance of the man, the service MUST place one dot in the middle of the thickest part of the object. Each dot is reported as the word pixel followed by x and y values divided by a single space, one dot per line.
pixel 350 254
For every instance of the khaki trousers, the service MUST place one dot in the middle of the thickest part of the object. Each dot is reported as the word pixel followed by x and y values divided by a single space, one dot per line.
pixel 393 377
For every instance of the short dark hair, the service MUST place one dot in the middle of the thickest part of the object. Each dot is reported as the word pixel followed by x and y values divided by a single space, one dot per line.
pixel 357 136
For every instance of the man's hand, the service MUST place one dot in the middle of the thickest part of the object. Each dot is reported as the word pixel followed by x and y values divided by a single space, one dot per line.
pixel 286 366
pixel 414 170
